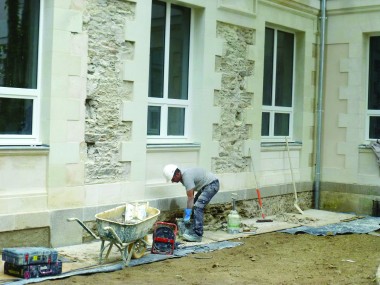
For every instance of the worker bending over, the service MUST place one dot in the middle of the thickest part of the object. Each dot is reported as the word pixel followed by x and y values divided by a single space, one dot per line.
pixel 205 183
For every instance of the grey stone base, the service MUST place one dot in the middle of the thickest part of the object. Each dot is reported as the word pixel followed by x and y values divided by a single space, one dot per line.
pixel 276 199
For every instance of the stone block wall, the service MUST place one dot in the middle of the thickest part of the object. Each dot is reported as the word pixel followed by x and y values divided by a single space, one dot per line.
pixel 93 113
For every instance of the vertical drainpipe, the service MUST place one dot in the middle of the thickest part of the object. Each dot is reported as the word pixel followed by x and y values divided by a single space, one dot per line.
pixel 319 106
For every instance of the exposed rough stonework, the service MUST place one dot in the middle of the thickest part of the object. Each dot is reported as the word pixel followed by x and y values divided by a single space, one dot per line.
pixel 233 98
pixel 104 23
pixel 216 214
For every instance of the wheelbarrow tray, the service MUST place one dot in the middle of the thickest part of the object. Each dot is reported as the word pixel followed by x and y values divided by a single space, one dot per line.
pixel 126 232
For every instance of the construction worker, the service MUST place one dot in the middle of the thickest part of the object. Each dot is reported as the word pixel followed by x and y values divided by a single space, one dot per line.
pixel 205 183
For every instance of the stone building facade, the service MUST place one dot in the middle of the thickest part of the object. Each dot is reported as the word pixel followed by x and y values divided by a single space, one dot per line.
pixel 90 149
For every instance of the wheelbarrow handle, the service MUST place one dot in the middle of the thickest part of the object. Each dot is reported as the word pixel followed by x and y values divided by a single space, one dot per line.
pixel 83 226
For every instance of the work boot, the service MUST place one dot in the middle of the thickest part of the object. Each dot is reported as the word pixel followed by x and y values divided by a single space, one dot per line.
pixel 192 237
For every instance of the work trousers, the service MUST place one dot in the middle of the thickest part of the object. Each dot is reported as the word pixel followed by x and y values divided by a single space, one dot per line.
pixel 202 198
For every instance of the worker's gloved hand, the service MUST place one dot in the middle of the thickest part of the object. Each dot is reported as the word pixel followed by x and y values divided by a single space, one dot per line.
pixel 186 215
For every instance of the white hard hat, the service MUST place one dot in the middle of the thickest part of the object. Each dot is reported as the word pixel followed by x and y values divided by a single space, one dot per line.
pixel 169 171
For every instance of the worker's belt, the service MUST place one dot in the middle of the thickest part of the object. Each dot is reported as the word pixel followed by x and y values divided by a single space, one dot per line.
pixel 216 180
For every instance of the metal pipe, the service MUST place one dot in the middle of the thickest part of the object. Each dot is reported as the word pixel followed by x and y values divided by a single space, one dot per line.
pixel 319 106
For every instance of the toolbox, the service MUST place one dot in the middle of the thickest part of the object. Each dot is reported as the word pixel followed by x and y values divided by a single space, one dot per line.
pixel 31 262
pixel 164 235
pixel 29 255
pixel 33 270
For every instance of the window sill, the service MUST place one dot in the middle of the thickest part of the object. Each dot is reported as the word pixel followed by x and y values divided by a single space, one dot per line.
pixel 24 150
pixel 279 146
pixel 364 146
pixel 173 147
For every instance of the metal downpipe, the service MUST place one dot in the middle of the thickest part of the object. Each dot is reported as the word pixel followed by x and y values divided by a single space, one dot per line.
pixel 319 106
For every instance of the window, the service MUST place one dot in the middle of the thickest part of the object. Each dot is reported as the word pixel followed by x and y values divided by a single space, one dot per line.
pixel 277 110
pixel 19 91
pixel 168 101
pixel 373 112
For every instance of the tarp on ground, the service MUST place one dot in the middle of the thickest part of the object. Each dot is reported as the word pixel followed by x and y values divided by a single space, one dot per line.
pixel 149 258
pixel 359 226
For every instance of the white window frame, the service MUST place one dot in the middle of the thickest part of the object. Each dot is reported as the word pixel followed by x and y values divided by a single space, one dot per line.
pixel 165 103
pixel 24 93
pixel 272 110
pixel 369 113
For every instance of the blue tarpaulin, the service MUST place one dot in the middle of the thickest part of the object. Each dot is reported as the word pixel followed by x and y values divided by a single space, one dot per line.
pixel 149 258
pixel 358 226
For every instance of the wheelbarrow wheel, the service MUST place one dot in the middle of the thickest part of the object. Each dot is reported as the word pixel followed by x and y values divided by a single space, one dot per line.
pixel 140 248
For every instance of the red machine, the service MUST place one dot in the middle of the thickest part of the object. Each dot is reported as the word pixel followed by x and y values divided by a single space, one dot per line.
pixel 164 235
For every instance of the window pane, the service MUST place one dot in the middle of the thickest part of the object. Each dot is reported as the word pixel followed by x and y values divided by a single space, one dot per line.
pixel 176 121
pixel 179 52
pixel 157 50
pixel 170 38
pixel 281 124
pixel 374 127
pixel 284 69
pixel 374 74
pixel 16 116
pixel 265 124
pixel 154 119
pixel 19 24
pixel 268 67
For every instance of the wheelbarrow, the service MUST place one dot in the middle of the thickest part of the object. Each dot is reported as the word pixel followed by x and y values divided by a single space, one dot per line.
pixel 130 238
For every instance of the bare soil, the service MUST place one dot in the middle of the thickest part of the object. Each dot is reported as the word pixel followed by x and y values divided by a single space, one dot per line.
pixel 271 258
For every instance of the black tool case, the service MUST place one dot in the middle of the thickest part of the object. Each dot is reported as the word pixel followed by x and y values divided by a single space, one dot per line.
pixel 33 270
pixel 31 262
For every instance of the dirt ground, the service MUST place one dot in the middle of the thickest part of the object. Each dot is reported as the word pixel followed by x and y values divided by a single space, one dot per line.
pixel 270 258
